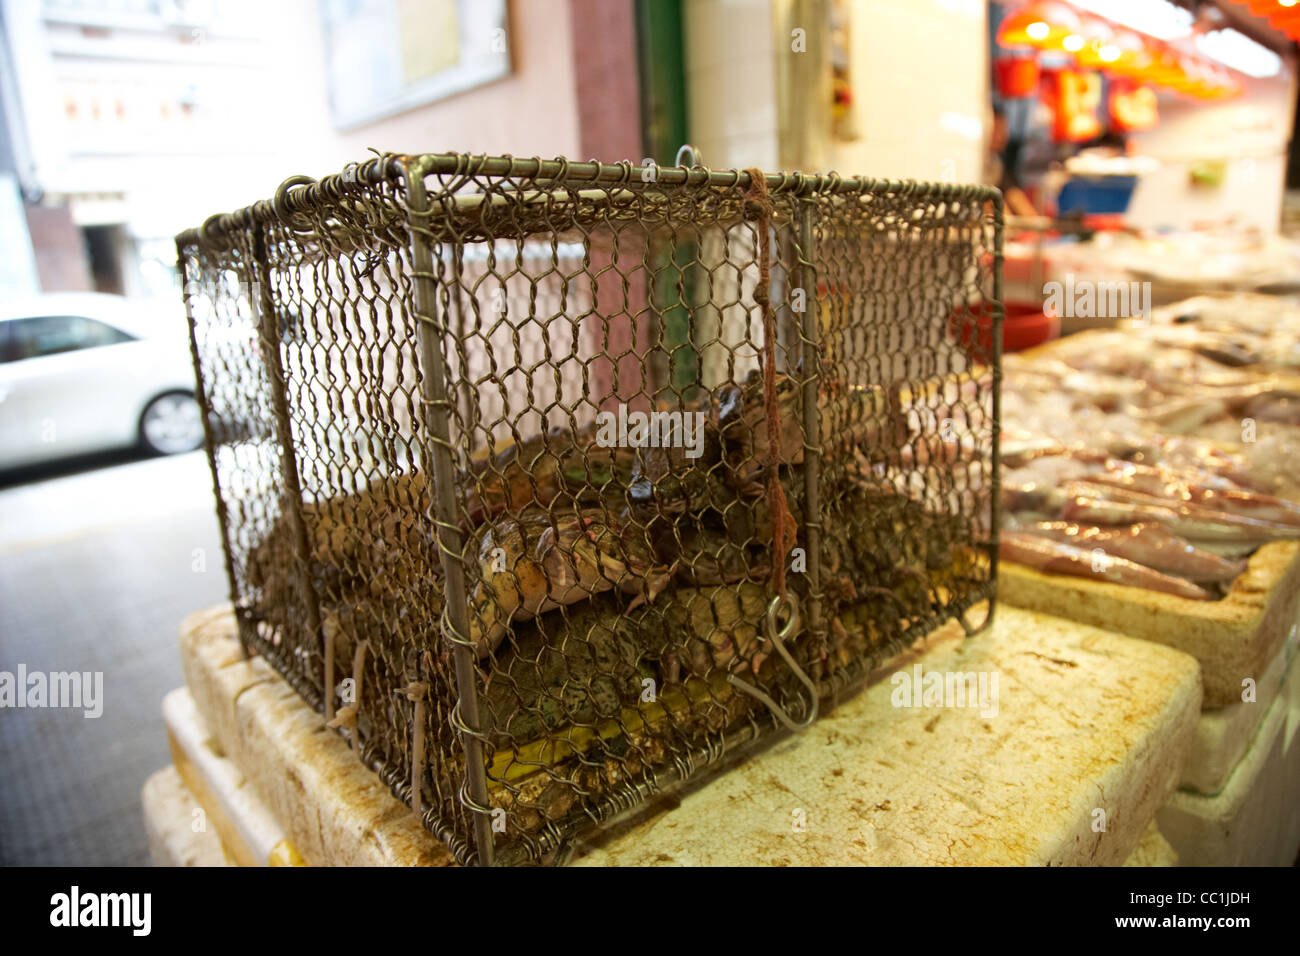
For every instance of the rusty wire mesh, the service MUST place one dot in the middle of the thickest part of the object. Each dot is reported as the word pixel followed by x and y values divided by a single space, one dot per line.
pixel 423 383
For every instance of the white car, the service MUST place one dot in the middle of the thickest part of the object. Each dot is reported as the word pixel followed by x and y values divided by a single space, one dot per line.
pixel 85 372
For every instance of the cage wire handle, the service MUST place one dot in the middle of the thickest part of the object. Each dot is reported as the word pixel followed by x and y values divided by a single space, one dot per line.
pixel 697 158
pixel 280 204
pixel 777 637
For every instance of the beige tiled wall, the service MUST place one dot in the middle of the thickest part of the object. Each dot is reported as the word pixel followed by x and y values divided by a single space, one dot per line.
pixel 730 82
pixel 920 82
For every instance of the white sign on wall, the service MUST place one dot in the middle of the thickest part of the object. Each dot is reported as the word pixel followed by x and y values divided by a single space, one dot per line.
pixel 384 57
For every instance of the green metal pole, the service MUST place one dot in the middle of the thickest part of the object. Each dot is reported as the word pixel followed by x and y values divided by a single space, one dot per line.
pixel 662 62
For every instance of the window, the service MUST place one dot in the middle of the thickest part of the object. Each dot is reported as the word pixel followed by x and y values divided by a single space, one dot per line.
pixel 52 334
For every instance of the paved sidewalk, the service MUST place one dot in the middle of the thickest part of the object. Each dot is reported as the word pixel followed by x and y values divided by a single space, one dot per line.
pixel 97 568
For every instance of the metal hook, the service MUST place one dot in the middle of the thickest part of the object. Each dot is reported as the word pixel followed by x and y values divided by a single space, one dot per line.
pixel 280 204
pixel 971 629
pixel 777 638
pixel 696 158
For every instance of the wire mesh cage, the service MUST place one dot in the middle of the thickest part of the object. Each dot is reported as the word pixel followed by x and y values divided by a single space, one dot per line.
pixel 551 483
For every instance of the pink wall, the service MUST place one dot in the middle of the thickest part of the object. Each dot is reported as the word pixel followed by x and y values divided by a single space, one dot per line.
pixel 60 249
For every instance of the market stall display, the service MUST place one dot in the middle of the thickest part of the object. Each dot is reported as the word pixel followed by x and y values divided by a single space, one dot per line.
pixel 1171 431
pixel 1167 268
pixel 1158 459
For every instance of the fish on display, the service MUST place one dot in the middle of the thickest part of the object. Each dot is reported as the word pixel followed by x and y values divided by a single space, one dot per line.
pixel 1147 544
pixel 1019 446
pixel 1204 491
pixel 1185 520
pixel 1059 558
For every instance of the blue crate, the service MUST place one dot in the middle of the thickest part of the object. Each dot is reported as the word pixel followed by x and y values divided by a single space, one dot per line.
pixel 1096 194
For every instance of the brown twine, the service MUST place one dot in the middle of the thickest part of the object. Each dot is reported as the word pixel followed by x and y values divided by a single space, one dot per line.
pixel 358 671
pixel 417 692
pixel 346 717
pixel 329 634
pixel 758 209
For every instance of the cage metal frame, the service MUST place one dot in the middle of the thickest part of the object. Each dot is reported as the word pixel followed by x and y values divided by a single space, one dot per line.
pixel 408 172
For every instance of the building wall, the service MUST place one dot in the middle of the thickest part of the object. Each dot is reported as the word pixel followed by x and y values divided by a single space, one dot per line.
pixel 919 74
pixel 18 272
pixel 920 85
pixel 136 120
pixel 607 89
pixel 533 111
pixel 60 249
pixel 149 123
pixel 1251 133
pixel 731 82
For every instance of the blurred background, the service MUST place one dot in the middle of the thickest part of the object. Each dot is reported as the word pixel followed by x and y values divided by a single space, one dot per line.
pixel 1135 139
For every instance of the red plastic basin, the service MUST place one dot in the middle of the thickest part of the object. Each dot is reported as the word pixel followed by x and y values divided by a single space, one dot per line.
pixel 1024 325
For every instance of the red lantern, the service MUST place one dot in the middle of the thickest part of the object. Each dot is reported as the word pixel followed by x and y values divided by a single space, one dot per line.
pixel 1016 75
pixel 1044 25
pixel 1133 108
pixel 1076 96
pixel 1099 51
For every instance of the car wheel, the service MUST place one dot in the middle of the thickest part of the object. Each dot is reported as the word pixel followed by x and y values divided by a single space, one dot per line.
pixel 171 424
